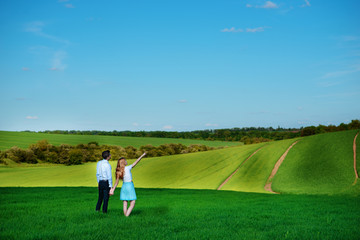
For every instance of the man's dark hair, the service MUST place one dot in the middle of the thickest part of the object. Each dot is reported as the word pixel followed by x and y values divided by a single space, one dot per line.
pixel 105 154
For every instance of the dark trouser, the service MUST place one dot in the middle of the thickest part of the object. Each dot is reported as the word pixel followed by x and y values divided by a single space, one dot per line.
pixel 103 195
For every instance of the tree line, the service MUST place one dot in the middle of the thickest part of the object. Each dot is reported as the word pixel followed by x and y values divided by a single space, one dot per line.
pixel 247 135
pixel 43 151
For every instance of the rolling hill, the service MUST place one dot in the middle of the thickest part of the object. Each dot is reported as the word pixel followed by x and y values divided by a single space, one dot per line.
pixel 319 164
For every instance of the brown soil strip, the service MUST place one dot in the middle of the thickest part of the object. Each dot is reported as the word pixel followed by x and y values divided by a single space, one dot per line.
pixel 276 168
pixel 221 185
pixel 354 149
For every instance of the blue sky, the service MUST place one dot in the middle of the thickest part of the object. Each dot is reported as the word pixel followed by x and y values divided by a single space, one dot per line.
pixel 178 65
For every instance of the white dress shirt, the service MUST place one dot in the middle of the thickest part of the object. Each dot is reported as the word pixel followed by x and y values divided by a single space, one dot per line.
pixel 103 171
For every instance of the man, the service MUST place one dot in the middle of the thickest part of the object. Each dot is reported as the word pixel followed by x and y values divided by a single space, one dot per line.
pixel 103 176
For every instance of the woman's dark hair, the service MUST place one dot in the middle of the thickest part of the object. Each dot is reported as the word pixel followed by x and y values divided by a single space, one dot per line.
pixel 105 154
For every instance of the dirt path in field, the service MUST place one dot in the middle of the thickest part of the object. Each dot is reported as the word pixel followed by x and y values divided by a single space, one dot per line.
pixel 221 185
pixel 276 168
pixel 354 149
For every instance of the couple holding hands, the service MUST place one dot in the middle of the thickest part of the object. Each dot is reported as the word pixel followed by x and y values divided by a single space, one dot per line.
pixel 104 179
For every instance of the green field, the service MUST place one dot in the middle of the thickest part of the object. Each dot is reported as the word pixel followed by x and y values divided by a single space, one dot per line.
pixel 69 213
pixel 252 176
pixel 177 200
pixel 319 164
pixel 204 170
pixel 24 139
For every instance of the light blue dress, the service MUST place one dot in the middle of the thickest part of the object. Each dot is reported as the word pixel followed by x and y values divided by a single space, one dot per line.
pixel 127 192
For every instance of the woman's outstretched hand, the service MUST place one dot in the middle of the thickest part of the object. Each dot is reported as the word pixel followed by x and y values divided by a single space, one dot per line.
pixel 138 160
pixel 111 192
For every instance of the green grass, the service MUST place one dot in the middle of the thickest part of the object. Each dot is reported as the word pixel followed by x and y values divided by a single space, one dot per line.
pixel 68 213
pixel 358 155
pixel 24 139
pixel 204 170
pixel 253 174
pixel 319 164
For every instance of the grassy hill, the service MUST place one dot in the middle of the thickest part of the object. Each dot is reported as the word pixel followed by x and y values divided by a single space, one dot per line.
pixel 24 139
pixel 252 176
pixel 320 164
pixel 204 170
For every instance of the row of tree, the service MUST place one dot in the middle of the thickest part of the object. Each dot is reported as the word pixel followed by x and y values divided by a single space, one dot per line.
pixel 43 151
pixel 312 130
pixel 245 135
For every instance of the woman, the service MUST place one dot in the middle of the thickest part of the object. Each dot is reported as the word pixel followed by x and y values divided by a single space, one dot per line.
pixel 127 190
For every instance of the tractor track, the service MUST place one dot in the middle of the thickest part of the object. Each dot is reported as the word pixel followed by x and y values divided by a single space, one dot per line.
pixel 267 186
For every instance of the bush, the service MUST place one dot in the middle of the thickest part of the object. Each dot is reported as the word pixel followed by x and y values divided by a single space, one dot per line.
pixel 75 157
pixel 150 150
pixel 93 143
pixel 117 152
pixel 19 155
pixel 91 152
pixel 40 149
pixel 130 152
pixel 355 124
pixel 64 153
pixel 2 157
pixel 308 131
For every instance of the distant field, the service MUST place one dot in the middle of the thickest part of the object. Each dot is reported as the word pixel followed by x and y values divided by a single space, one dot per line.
pixel 320 164
pixel 24 139
pixel 69 213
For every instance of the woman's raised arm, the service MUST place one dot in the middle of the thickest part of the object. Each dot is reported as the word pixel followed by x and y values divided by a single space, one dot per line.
pixel 138 160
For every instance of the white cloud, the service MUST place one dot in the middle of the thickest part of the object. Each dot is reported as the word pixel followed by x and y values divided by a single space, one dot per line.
pixel 260 112
pixel 249 30
pixel 36 28
pixel 254 30
pixel 69 5
pixel 182 101
pixel 25 69
pixel 307 4
pixel 268 4
pixel 354 69
pixel 168 127
pixel 32 117
pixel 232 30
pixel 211 125
pixel 339 95
pixel 20 99
pixel 57 61
pixel 350 38
pixel 147 124
pixel 135 124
